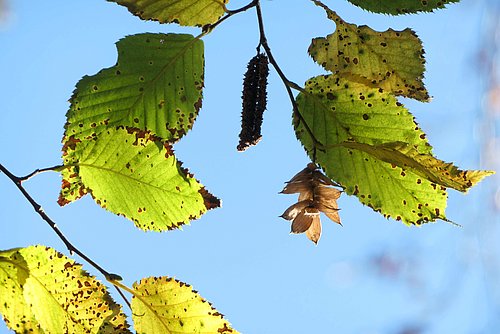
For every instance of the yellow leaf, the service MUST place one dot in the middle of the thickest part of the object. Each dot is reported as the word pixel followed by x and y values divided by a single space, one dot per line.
pixel 165 305
pixel 391 60
pixel 43 291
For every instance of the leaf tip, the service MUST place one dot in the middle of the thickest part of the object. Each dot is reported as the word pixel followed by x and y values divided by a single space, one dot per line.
pixel 209 200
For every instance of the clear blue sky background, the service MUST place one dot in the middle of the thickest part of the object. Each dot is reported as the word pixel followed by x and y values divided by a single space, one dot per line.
pixel 371 276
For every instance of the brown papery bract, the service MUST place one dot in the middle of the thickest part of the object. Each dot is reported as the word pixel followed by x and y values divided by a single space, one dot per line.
pixel 316 195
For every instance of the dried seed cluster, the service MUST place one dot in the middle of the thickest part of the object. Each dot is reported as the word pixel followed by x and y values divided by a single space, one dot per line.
pixel 254 101
pixel 315 195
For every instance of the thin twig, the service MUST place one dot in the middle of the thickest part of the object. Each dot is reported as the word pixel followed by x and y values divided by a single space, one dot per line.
pixel 208 28
pixel 38 209
pixel 120 292
pixel 263 42
pixel 288 84
pixel 41 170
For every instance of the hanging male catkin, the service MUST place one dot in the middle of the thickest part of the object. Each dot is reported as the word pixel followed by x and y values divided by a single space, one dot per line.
pixel 254 101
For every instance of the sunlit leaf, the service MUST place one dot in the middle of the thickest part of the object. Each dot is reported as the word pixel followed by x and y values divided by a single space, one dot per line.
pixel 398 7
pixel 132 173
pixel 43 291
pixel 391 60
pixel 16 313
pixel 183 12
pixel 165 305
pixel 340 111
pixel 156 85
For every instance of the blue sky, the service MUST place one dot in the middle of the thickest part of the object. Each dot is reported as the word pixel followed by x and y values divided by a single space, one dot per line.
pixel 371 276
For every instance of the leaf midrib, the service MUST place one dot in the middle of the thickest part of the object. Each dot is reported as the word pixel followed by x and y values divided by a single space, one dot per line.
pixel 90 166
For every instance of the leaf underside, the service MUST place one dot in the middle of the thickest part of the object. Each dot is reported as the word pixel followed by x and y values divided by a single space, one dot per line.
pixel 165 305
pixel 391 60
pixel 398 7
pixel 134 174
pixel 42 291
pixel 184 12
pixel 339 111
pixel 156 85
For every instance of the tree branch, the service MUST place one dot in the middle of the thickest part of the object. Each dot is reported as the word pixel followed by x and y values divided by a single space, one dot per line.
pixel 288 84
pixel 209 27
pixel 38 209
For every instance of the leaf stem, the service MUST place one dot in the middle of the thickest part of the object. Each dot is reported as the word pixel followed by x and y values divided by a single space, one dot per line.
pixel 41 170
pixel 38 209
pixel 288 84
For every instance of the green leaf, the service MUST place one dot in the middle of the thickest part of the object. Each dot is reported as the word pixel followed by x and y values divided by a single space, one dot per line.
pixel 165 305
pixel 132 173
pixel 425 165
pixel 391 60
pixel 43 291
pixel 398 7
pixel 183 12
pixel 339 111
pixel 156 85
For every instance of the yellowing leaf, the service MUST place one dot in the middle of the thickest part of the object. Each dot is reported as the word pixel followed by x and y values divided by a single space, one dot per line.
pixel 398 7
pixel 42 291
pixel 17 314
pixel 156 85
pixel 183 12
pixel 391 60
pixel 134 174
pixel 425 165
pixel 165 305
pixel 339 111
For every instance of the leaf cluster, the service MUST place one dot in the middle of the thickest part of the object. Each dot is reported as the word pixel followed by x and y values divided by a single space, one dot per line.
pixel 362 136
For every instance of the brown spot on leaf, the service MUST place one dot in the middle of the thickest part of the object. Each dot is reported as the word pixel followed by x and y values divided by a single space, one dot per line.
pixel 197 105
pixel 169 150
pixel 224 329
pixel 65 184
pixel 209 200
pixel 70 143
pixel 356 190
pixel 331 96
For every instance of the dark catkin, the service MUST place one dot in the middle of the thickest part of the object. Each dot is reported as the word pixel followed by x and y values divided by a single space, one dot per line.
pixel 254 101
